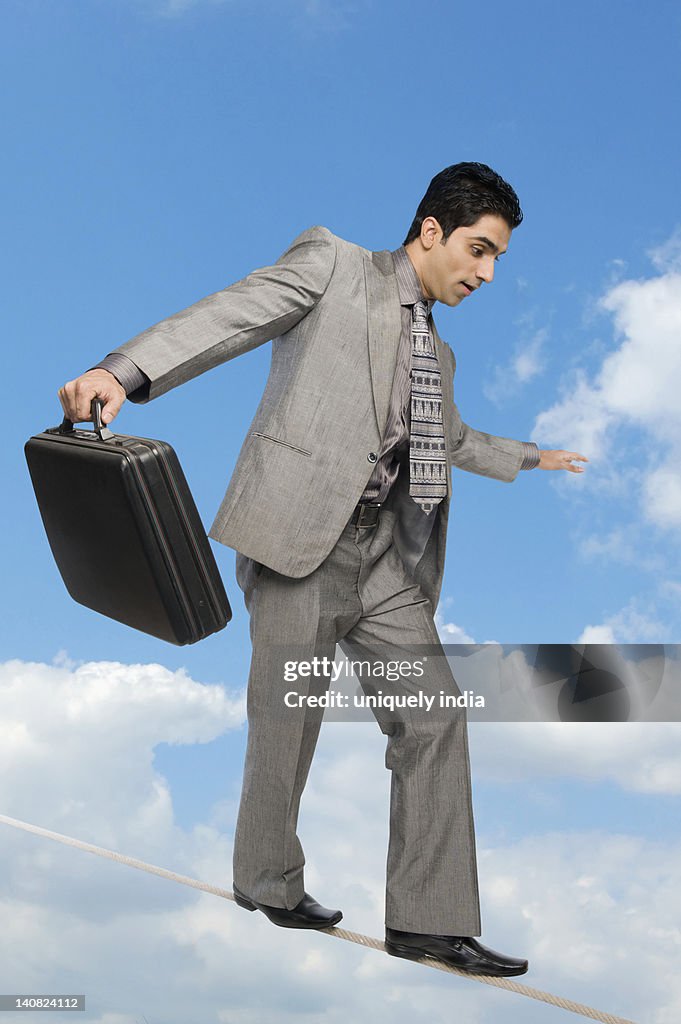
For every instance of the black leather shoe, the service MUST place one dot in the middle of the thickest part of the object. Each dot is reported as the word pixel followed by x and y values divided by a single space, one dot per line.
pixel 465 953
pixel 307 914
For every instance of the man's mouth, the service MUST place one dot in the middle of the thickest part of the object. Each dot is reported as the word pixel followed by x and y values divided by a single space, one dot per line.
pixel 468 288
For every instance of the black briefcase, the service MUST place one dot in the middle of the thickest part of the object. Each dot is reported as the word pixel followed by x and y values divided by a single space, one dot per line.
pixel 125 532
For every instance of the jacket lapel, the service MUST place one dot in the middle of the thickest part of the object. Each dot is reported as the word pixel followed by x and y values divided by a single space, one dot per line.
pixel 383 328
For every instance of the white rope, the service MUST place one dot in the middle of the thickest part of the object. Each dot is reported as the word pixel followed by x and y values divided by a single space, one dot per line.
pixel 336 933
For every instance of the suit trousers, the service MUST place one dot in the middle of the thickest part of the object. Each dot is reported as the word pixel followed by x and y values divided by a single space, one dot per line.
pixel 361 598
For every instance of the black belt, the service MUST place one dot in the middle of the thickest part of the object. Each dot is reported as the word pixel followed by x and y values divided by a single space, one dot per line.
pixel 364 515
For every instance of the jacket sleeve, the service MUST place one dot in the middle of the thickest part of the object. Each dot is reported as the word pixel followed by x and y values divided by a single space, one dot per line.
pixel 486 454
pixel 262 306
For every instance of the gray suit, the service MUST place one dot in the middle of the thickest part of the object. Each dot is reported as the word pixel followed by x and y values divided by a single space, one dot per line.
pixel 312 581
pixel 333 310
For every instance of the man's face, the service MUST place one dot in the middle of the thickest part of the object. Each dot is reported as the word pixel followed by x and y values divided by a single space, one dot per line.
pixel 450 272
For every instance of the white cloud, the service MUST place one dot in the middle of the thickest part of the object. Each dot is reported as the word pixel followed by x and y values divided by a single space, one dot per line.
pixel 637 386
pixel 591 751
pixel 597 914
pixel 671 588
pixel 640 380
pixel 526 363
pixel 629 625
pixel 628 545
pixel 579 421
pixel 450 632
pixel 662 494
pixel 105 718
pixel 588 902
pixel 597 635
pixel 667 256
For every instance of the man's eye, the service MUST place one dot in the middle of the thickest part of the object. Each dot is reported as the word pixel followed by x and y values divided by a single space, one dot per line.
pixel 477 251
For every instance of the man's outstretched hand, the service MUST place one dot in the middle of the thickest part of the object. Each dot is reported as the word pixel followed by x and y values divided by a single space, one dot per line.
pixel 561 460
pixel 76 396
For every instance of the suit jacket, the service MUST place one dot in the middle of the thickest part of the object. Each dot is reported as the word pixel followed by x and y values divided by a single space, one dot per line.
pixel 332 309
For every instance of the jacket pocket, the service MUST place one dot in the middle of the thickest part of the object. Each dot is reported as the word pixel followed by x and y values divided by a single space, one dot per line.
pixel 284 444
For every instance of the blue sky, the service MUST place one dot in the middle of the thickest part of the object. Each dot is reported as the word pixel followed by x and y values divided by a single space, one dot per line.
pixel 155 151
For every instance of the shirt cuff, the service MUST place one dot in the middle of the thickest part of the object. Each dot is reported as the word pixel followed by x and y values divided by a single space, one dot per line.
pixel 127 373
pixel 531 456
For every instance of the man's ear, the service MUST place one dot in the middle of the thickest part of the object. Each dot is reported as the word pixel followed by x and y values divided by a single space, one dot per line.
pixel 431 232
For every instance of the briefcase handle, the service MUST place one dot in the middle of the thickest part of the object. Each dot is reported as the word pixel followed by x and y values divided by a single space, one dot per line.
pixel 100 429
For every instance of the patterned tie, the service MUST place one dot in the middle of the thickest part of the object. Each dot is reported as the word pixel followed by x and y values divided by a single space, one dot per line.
pixel 427 456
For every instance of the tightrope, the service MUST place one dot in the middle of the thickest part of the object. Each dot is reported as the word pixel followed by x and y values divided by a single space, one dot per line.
pixel 334 933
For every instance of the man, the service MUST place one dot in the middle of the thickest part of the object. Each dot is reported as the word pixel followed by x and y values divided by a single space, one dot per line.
pixel 338 511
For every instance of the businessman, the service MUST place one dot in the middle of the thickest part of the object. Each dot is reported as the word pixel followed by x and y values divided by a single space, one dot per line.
pixel 337 509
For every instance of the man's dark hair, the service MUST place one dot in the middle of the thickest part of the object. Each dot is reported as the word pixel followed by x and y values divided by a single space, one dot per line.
pixel 461 194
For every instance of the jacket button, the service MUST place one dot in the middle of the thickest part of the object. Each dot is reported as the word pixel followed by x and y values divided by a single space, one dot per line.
pixel 372 457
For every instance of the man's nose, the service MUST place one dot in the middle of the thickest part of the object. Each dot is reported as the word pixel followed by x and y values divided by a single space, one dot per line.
pixel 485 269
